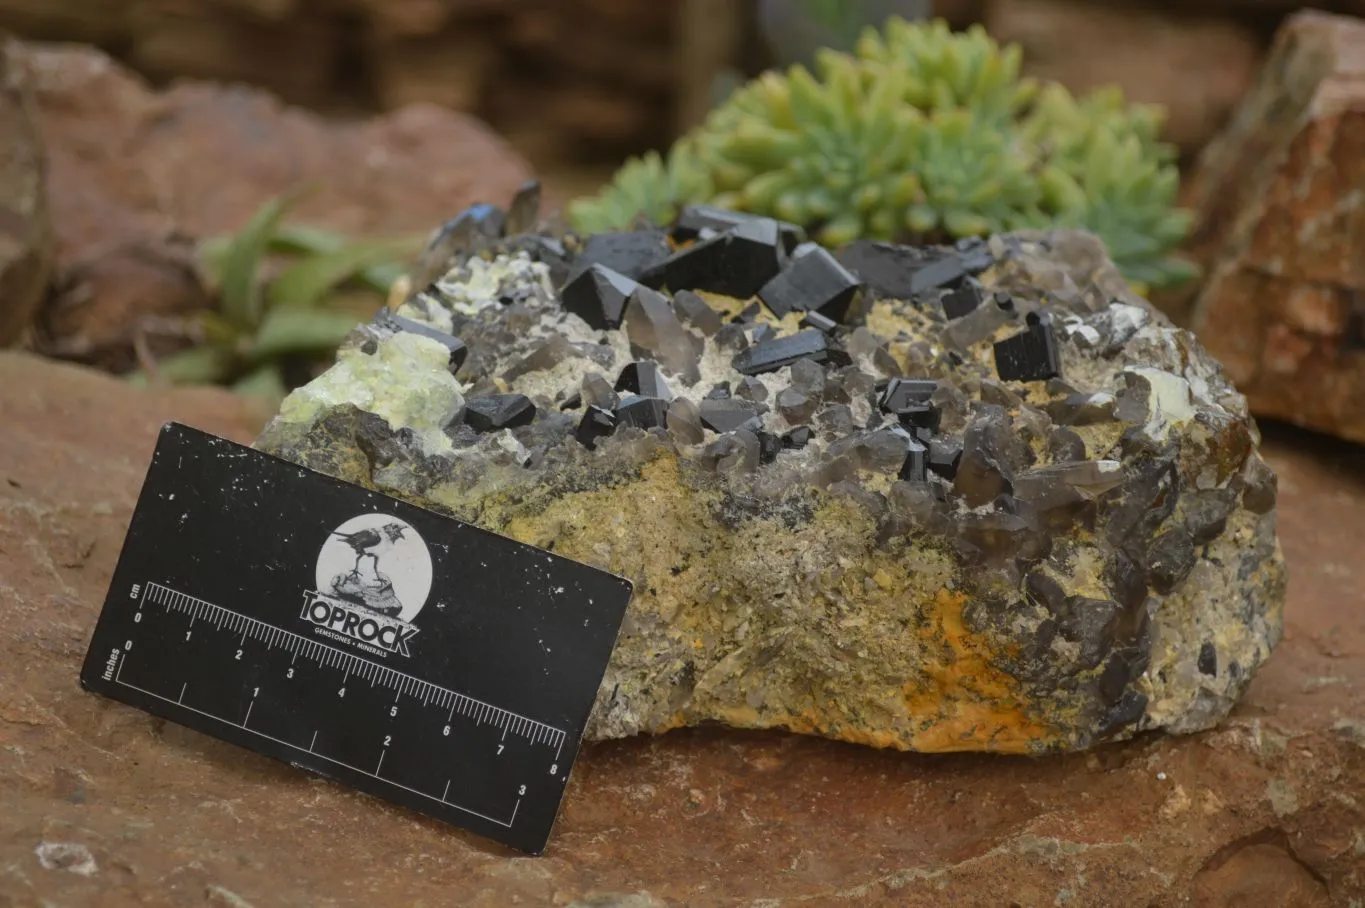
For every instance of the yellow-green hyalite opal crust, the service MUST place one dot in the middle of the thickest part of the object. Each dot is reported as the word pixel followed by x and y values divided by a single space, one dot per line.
pixel 1102 562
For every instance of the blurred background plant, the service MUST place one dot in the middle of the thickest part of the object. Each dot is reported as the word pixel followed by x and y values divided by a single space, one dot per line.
pixel 286 297
pixel 569 90
pixel 922 134
pixel 794 30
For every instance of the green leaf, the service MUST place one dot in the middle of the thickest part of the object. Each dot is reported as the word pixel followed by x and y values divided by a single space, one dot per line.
pixel 195 366
pixel 241 291
pixel 291 330
pixel 306 240
pixel 218 331
pixel 382 277
pixel 265 381
pixel 305 284
pixel 210 260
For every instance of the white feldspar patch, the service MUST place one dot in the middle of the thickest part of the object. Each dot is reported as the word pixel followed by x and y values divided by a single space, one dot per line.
pixel 508 442
pixel 405 381
pixel 428 311
pixel 477 283
pixel 1169 404
pixel 1076 328
pixel 1127 320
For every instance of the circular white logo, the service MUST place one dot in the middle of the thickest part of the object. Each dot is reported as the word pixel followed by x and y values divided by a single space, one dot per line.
pixel 377 562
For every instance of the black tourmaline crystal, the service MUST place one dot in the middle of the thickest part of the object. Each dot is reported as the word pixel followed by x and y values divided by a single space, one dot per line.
pixel 905 395
pixel 772 355
pixel 903 272
pixel 819 322
pixel 916 461
pixel 498 411
pixel 637 254
pixel 643 377
pixel 963 300
pixel 395 323
pixel 736 263
pixel 797 438
pixel 945 272
pixel 769 446
pixel 884 267
pixel 815 282
pixel 597 423
pixel 1030 355
pixel 694 220
pixel 642 412
pixel 944 453
pixel 598 296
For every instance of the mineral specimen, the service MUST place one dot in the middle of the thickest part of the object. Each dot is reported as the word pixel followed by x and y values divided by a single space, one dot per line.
pixel 598 295
pixel 498 411
pixel 813 283
pixel 597 422
pixel 643 378
pixel 524 211
pixel 771 355
pixel 1030 355
pixel 637 254
pixel 736 263
pixel 642 412
pixel 819 322
pixel 694 219
pixel 962 300
pixel 867 533
pixel 456 350
pixel 692 309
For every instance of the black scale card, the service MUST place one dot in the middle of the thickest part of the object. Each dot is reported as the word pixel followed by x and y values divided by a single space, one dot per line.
pixel 407 654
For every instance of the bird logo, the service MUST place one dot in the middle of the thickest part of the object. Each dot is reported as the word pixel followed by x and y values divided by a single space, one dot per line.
pixel 369 541
pixel 378 563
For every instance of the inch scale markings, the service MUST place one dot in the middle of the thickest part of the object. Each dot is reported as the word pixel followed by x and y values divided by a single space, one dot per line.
pixel 242 725
pixel 323 655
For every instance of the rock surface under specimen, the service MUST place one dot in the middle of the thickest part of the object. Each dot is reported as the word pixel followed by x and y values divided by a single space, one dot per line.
pixel 1263 810
pixel 956 562
pixel 1279 213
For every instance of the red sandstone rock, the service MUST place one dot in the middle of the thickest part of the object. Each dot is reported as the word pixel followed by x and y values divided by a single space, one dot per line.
pixel 137 176
pixel 1265 811
pixel 25 236
pixel 1281 230
pixel 1197 67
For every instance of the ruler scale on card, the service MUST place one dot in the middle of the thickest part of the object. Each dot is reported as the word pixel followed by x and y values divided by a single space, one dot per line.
pixel 409 655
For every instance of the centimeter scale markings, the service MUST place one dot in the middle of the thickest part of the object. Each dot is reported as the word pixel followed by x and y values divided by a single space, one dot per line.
pixel 241 628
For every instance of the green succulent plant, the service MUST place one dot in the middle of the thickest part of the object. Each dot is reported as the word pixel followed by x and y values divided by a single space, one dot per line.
pixel 651 186
pixel 266 318
pixel 923 134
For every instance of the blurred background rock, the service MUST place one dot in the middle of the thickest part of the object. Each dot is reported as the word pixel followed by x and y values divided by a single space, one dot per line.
pixel 578 84
pixel 385 103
